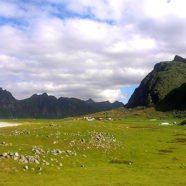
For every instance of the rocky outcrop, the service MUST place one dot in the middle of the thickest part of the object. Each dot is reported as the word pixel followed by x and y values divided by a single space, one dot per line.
pixel 179 58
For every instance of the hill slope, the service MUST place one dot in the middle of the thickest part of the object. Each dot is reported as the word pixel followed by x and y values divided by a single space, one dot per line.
pixel 164 78
pixel 175 100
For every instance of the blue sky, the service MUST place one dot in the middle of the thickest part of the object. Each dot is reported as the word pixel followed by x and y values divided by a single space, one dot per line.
pixel 98 49
pixel 127 92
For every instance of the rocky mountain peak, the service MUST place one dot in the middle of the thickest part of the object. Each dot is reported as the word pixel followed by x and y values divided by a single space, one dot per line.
pixel 90 101
pixel 179 59
pixel 6 97
pixel 165 77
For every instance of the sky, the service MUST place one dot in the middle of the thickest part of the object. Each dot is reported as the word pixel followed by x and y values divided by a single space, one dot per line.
pixel 99 49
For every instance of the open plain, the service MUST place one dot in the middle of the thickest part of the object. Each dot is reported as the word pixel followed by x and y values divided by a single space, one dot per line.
pixel 129 150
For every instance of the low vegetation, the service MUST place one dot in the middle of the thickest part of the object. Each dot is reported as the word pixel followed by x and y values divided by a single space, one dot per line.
pixel 130 149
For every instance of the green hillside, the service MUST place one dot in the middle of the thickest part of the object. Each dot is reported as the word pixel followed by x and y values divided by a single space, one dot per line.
pixel 175 100
pixel 165 77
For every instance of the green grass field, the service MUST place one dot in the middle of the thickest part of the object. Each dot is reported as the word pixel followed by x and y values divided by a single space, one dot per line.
pixel 125 151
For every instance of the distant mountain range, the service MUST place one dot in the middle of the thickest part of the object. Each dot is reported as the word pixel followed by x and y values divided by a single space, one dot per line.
pixel 164 87
pixel 45 106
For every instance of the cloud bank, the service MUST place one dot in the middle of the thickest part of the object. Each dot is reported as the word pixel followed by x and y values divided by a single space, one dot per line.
pixel 85 48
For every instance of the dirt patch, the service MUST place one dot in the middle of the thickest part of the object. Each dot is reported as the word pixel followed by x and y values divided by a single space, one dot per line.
pixel 141 127
pixel 6 168
pixel 180 134
pixel 126 162
pixel 165 151
pixel 172 148
pixel 181 140
pixel 170 142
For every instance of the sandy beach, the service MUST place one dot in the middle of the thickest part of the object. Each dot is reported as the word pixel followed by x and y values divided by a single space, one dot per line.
pixel 5 124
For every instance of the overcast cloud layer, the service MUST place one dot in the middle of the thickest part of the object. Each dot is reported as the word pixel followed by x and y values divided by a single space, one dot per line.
pixel 86 48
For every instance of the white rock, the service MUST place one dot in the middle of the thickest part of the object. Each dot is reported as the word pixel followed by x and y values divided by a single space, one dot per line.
pixel 164 123
pixel 26 167
pixel 16 154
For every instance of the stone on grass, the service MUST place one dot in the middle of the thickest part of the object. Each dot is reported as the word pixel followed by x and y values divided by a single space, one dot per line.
pixel 26 167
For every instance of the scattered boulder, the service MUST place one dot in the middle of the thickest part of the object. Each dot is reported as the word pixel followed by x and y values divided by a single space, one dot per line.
pixel 26 167
pixel 24 159
pixel 40 157
pixel 20 132
pixel 3 143
pixel 37 150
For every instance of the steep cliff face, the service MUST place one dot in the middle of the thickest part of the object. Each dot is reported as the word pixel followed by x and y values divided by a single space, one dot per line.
pixel 165 77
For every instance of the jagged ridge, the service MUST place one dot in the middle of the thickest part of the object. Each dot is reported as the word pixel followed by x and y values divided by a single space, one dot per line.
pixel 45 106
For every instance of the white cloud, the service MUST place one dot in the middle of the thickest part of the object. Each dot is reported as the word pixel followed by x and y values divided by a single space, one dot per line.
pixel 111 94
pixel 9 9
pixel 86 55
pixel 162 9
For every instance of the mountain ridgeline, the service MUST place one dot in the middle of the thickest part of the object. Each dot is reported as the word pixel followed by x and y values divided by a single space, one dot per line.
pixel 164 87
pixel 45 106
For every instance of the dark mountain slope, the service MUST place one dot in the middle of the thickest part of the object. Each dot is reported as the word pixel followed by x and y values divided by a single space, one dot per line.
pixel 74 107
pixel 6 98
pixel 175 100
pixel 37 106
pixel 45 106
pixel 104 105
pixel 165 77
pixel 7 103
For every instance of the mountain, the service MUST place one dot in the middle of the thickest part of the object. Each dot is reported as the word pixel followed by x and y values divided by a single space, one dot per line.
pixel 37 106
pixel 45 106
pixel 7 103
pixel 6 98
pixel 174 100
pixel 164 78
pixel 74 107
pixel 105 105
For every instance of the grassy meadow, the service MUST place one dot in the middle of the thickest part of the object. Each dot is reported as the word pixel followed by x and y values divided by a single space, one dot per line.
pixel 128 150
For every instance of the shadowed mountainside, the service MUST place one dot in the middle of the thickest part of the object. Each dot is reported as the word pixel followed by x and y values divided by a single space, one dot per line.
pixel 45 106
pixel 175 100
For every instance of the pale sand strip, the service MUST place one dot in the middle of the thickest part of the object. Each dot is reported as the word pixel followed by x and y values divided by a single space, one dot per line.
pixel 5 124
